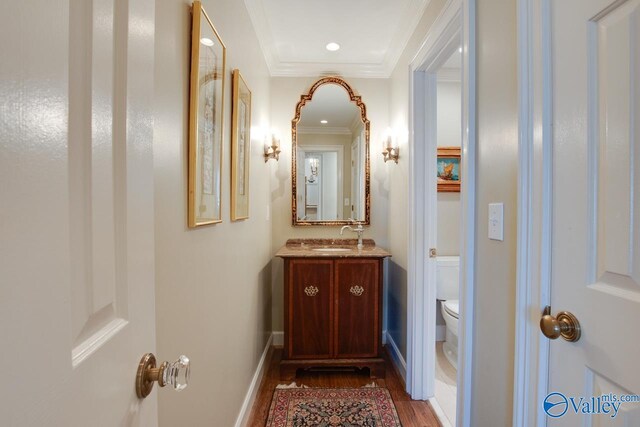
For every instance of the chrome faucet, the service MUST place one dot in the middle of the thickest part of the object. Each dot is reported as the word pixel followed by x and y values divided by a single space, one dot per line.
pixel 359 229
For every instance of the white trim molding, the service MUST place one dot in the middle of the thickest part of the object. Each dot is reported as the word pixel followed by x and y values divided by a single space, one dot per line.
pixel 252 392
pixel 454 28
pixel 534 211
pixel 278 338
pixel 440 415
pixel 317 130
pixel 421 296
pixel 396 356
pixel 466 333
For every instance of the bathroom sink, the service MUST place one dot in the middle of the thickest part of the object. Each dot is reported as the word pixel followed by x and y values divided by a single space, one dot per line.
pixel 332 249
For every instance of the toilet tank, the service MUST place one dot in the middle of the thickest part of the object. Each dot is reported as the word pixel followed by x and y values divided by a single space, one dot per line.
pixel 447 277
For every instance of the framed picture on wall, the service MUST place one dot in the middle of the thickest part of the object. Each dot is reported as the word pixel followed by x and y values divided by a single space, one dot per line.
pixel 240 147
pixel 206 113
pixel 449 169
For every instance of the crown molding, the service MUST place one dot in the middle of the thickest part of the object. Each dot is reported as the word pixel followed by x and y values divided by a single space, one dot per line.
pixel 258 18
pixel 411 17
pixel 317 130
pixel 314 69
pixel 355 124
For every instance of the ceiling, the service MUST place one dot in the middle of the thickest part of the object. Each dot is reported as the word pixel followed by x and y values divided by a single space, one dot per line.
pixel 372 35
pixel 330 102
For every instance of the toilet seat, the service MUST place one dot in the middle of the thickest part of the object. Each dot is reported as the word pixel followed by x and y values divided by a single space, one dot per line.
pixel 452 307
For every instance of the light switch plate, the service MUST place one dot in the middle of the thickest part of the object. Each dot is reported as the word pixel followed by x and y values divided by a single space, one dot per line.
pixel 346 201
pixel 496 221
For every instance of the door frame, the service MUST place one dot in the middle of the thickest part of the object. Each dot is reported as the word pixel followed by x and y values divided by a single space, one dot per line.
pixel 456 23
pixel 340 165
pixel 535 162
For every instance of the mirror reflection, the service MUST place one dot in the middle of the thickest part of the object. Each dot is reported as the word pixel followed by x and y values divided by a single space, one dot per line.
pixel 331 154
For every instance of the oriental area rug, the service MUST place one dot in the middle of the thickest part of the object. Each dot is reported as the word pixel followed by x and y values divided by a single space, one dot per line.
pixel 292 406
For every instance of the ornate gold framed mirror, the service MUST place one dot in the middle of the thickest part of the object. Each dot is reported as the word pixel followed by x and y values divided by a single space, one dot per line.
pixel 330 161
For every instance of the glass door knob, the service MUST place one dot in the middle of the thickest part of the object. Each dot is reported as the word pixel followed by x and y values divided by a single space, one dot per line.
pixel 176 374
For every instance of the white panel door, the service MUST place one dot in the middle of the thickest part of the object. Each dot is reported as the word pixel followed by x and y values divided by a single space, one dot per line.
pixel 594 54
pixel 76 211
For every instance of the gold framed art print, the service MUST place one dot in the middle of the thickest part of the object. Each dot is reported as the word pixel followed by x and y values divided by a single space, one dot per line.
pixel 449 169
pixel 240 147
pixel 206 112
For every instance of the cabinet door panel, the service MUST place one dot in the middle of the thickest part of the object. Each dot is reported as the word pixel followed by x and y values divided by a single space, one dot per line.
pixel 310 309
pixel 357 304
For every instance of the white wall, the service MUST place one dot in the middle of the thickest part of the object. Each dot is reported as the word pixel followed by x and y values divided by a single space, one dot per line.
pixel 285 94
pixel 449 134
pixel 449 103
pixel 213 284
pixel 496 182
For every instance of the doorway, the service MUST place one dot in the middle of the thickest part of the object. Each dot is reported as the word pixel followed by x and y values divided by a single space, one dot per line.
pixel 321 170
pixel 449 44
pixel 447 216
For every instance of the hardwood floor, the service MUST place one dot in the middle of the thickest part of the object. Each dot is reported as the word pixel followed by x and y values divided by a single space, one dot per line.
pixel 412 413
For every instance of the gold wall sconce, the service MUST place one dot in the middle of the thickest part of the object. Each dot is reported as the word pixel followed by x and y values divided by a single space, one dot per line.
pixel 313 165
pixel 272 151
pixel 390 150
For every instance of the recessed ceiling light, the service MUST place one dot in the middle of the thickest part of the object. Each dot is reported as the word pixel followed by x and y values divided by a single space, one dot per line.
pixel 333 46
pixel 460 49
pixel 206 41
pixel 324 122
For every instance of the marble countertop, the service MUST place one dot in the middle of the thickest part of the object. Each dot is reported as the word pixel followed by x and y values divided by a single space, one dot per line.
pixel 316 248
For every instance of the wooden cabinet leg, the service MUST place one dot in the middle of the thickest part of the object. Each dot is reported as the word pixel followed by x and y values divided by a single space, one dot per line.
pixel 377 370
pixel 287 372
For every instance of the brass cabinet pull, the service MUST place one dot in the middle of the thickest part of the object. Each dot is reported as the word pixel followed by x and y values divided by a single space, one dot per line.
pixel 357 290
pixel 311 291
pixel 563 325
pixel 176 374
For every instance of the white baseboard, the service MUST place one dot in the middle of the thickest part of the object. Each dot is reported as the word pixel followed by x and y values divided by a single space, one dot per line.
pixel 396 356
pixel 250 397
pixel 440 415
pixel 441 332
pixel 278 338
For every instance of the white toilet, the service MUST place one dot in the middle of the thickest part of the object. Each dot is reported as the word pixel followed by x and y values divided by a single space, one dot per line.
pixel 447 283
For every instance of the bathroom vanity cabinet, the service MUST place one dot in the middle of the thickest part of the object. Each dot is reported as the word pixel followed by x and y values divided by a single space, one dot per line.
pixel 333 310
